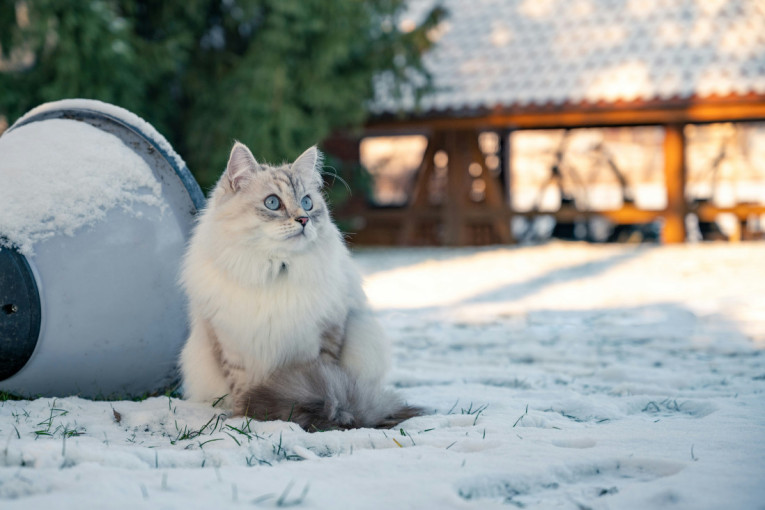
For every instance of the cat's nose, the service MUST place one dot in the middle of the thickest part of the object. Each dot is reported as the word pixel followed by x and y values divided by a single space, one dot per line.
pixel 302 220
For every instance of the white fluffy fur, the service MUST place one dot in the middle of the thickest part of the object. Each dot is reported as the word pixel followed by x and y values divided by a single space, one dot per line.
pixel 265 290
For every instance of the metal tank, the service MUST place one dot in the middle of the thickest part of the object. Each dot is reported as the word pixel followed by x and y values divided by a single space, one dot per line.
pixel 95 212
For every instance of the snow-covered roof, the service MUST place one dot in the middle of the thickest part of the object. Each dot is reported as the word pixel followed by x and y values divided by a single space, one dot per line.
pixel 528 53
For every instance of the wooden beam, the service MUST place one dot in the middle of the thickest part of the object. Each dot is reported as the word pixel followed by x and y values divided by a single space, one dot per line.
pixel 583 116
pixel 628 214
pixel 708 212
pixel 674 179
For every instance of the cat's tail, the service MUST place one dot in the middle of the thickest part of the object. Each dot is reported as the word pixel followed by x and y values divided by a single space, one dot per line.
pixel 322 396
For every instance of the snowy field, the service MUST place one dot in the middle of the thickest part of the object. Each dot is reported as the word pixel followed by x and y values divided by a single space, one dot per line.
pixel 557 376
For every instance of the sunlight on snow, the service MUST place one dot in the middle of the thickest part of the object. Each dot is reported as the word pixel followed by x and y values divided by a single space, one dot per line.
pixel 444 282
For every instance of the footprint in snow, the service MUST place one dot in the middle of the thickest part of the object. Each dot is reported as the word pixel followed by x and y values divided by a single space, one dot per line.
pixel 597 479
pixel 582 442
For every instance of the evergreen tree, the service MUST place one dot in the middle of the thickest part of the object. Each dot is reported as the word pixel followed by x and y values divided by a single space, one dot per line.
pixel 278 75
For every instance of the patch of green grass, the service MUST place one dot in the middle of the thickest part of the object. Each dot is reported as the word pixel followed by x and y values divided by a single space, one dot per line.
pixel 218 400
pixel 186 434
pixel 202 443
pixel 477 410
pixel 404 433
pixel 5 396
pixel 46 426
pixel 521 416
pixel 283 500
pixel 280 451
pixel 171 390
pixel 250 461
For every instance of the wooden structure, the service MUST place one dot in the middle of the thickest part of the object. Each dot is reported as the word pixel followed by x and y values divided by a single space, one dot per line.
pixel 452 120
pixel 459 221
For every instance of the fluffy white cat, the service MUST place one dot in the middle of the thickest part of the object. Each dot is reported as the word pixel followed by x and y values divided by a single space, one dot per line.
pixel 276 303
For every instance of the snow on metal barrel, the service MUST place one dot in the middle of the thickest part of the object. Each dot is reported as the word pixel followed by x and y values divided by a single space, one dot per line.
pixel 95 212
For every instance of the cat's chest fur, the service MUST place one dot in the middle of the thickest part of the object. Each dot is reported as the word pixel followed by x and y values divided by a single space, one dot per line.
pixel 281 318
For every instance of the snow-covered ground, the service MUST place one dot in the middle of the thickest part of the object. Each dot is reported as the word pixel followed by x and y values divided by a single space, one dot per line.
pixel 558 376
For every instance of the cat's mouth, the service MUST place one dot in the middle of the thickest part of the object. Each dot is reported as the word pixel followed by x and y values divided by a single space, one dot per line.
pixel 300 238
pixel 301 235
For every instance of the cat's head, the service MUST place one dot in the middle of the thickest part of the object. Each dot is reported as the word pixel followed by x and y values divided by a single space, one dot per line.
pixel 280 208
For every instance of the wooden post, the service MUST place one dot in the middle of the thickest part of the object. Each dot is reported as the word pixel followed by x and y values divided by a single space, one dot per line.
pixel 418 201
pixel 494 196
pixel 505 176
pixel 674 179
pixel 458 149
pixel 506 167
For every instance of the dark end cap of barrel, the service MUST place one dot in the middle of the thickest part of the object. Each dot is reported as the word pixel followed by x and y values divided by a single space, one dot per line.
pixel 20 312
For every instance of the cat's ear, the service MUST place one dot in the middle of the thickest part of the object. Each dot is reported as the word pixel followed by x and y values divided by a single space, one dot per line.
pixel 241 165
pixel 309 163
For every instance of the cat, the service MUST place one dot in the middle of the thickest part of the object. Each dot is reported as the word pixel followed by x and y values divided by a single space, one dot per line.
pixel 277 313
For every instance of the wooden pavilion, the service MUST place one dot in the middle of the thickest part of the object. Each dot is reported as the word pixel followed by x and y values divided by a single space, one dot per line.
pixel 523 64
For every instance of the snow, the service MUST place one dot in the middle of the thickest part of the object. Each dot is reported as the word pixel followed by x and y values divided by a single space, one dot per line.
pixel 117 112
pixel 59 175
pixel 556 376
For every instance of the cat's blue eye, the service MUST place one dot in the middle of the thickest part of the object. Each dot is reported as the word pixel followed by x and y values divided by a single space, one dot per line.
pixel 272 202
pixel 306 203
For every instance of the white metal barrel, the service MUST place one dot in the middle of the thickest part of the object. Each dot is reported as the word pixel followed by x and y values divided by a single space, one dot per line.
pixel 95 212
